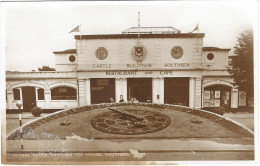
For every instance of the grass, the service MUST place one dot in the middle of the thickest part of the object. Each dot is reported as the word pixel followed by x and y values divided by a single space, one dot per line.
pixel 181 126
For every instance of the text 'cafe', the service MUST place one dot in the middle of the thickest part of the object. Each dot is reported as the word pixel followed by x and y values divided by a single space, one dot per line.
pixel 163 65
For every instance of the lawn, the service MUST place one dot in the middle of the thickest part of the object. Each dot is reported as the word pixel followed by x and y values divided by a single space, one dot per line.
pixel 181 126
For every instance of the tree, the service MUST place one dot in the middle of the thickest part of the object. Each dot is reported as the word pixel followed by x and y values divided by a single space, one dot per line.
pixel 242 65
pixel 46 68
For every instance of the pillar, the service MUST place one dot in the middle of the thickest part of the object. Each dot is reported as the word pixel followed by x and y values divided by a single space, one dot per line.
pixel 121 88
pixel 197 92
pixel 81 91
pixel 87 91
pixel 9 99
pixel 158 90
pixel 191 92
pixel 234 98
pixel 47 96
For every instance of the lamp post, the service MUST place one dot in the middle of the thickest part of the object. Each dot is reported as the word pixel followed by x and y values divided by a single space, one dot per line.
pixel 19 105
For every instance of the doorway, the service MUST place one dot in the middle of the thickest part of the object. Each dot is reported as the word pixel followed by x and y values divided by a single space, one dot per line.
pixel 217 96
pixel 176 91
pixel 29 98
pixel 140 89
pixel 102 90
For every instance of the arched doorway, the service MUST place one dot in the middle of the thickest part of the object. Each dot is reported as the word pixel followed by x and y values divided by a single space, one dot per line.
pixel 217 96
pixel 29 97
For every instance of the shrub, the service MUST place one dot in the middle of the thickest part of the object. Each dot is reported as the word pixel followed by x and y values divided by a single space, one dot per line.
pixel 196 121
pixel 36 111
pixel 219 110
pixel 65 123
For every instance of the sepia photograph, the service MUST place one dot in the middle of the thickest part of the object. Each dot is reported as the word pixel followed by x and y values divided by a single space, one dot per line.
pixel 129 82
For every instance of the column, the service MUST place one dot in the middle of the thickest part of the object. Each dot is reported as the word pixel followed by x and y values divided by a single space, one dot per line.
pixel 82 93
pixel 121 88
pixel 197 92
pixel 9 99
pixel 47 96
pixel 158 90
pixel 191 92
pixel 234 98
pixel 161 90
pixel 87 91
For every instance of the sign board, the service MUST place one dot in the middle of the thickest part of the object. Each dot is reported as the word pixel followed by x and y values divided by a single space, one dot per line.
pixel 217 102
pixel 207 95
pixel 217 94
pixel 212 103
pixel 206 103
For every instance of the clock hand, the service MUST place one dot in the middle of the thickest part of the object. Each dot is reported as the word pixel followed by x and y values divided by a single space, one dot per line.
pixel 128 115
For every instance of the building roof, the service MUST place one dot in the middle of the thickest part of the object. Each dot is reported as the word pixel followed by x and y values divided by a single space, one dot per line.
pixel 215 49
pixel 135 36
pixel 65 51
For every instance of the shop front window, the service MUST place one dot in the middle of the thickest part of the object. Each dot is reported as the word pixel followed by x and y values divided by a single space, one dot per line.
pixel 216 96
pixel 63 93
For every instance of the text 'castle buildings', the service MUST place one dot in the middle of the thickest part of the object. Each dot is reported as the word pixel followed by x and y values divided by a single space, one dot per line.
pixel 163 65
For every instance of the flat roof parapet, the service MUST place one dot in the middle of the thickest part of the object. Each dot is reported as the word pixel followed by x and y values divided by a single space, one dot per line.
pixel 40 74
pixel 65 51
pixel 215 49
pixel 142 36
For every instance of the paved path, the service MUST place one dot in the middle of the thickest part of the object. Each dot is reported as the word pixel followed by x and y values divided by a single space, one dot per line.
pixel 130 150
pixel 123 145
pixel 25 115
pixel 246 119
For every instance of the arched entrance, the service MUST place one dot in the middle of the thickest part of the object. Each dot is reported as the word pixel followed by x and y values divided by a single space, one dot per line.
pixel 217 96
pixel 29 97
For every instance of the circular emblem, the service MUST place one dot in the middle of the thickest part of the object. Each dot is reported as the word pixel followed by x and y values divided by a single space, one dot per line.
pixel 210 56
pixel 177 52
pixel 72 58
pixel 138 52
pixel 130 122
pixel 101 53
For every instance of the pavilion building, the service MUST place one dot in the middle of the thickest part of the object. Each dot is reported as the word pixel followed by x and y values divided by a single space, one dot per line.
pixel 158 64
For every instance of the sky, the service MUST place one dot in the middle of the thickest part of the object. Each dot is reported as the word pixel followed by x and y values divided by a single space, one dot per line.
pixel 33 31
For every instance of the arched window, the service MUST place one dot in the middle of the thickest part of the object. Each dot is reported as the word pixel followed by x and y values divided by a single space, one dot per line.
pixel 63 93
pixel 40 94
pixel 16 93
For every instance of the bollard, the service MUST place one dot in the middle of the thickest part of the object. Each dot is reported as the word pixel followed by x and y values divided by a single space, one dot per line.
pixel 21 130
pixel 19 105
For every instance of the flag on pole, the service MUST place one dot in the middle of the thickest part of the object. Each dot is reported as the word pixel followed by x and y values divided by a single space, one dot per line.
pixel 76 29
pixel 138 25
pixel 196 28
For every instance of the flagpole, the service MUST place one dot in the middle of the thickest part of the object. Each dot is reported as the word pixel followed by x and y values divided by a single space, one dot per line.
pixel 138 26
pixel 198 27
pixel 80 31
